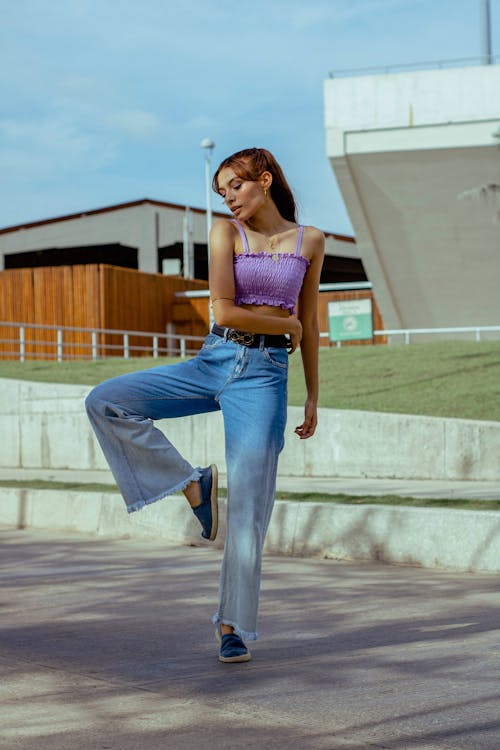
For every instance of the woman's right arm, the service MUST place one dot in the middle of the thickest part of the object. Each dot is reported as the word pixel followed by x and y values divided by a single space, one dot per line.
pixel 222 292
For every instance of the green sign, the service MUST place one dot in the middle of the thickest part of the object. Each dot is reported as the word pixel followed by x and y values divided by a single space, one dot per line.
pixel 350 319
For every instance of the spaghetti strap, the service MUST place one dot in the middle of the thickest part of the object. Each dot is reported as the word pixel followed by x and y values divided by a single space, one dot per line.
pixel 243 235
pixel 299 240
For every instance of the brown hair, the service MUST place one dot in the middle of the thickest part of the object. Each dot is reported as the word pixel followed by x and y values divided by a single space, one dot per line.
pixel 249 165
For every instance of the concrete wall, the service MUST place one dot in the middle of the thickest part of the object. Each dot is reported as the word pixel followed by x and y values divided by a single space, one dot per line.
pixel 336 245
pixel 433 537
pixel 44 425
pixel 417 164
pixel 132 225
pixel 414 98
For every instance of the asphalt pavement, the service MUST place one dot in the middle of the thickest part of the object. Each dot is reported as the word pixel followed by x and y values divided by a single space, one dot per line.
pixel 108 644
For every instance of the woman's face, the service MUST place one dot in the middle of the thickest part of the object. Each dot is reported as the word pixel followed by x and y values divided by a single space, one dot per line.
pixel 242 197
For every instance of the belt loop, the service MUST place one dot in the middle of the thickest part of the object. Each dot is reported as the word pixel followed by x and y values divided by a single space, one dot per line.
pixel 262 341
pixel 226 331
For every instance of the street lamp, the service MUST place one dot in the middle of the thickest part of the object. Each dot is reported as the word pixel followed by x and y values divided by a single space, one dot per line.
pixel 209 146
pixel 486 53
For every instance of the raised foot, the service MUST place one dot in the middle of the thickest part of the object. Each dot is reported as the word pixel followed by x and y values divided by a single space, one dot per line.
pixel 207 512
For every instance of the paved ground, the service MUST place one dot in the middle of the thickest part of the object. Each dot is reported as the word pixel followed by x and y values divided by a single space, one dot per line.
pixel 107 645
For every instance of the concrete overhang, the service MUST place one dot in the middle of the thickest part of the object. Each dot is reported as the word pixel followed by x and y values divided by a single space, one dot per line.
pixel 409 150
pixel 422 137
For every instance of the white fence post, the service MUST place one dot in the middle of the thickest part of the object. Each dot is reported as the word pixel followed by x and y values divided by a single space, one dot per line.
pixel 22 344
pixel 176 344
pixel 59 345
pixel 171 345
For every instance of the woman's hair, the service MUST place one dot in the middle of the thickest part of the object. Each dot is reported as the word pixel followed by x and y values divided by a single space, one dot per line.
pixel 249 165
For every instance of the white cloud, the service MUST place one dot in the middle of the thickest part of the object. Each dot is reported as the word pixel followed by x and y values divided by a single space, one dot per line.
pixel 48 148
pixel 135 123
pixel 118 93
pixel 336 13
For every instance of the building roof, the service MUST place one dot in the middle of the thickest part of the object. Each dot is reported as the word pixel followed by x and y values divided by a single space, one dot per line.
pixel 133 204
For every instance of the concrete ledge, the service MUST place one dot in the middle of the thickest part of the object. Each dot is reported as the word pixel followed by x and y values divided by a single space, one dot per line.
pixel 431 537
pixel 48 429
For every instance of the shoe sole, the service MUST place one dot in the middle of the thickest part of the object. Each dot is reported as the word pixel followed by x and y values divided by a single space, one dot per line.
pixel 234 659
pixel 214 502
pixel 231 659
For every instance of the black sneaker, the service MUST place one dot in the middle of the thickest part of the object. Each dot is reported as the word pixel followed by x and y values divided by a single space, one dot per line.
pixel 207 513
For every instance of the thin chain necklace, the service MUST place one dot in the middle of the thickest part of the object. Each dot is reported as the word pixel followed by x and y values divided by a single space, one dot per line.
pixel 273 244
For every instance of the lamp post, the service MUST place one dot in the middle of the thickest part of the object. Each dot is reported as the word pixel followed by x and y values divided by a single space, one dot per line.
pixel 486 51
pixel 209 146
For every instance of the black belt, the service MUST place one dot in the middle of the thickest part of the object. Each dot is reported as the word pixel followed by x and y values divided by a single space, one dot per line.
pixel 251 339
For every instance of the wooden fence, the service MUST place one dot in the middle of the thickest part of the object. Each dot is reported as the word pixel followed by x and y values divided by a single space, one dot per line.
pixel 86 296
pixel 110 297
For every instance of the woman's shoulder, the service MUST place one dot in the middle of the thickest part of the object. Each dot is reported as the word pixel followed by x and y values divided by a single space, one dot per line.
pixel 223 237
pixel 224 226
pixel 223 230
pixel 314 233
pixel 314 242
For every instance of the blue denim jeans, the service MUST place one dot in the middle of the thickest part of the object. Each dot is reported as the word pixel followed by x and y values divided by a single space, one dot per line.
pixel 249 385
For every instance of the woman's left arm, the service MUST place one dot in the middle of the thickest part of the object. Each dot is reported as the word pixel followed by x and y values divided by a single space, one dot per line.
pixel 309 345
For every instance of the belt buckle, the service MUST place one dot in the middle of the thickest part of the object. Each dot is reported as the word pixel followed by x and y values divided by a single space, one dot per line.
pixel 240 337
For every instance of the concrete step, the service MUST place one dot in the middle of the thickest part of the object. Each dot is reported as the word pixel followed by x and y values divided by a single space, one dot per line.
pixel 462 540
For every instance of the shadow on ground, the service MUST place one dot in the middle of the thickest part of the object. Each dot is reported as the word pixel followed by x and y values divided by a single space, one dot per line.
pixel 108 644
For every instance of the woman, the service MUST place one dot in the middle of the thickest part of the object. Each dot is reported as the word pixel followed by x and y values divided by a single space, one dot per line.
pixel 261 263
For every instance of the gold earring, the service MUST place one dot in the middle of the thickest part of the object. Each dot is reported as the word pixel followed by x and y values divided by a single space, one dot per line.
pixel 265 192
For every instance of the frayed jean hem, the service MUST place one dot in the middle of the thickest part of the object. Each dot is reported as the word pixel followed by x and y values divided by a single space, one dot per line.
pixel 245 634
pixel 194 477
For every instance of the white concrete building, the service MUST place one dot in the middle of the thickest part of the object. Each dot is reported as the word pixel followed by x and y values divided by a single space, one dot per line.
pixel 149 235
pixel 141 234
pixel 418 165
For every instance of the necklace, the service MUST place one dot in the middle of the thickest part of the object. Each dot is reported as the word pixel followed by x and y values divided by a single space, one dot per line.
pixel 273 244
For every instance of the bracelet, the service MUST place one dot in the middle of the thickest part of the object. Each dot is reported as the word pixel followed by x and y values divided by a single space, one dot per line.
pixel 216 299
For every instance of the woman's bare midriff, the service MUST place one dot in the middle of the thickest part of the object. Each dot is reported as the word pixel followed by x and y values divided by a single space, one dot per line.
pixel 267 310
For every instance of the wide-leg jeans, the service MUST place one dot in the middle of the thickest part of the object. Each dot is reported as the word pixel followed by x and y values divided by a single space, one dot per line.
pixel 249 385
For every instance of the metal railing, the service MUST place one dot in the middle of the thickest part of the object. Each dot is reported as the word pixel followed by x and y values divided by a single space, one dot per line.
pixel 165 344
pixel 410 333
pixel 156 344
pixel 401 67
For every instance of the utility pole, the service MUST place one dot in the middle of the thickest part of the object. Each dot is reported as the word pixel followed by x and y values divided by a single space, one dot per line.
pixel 187 245
pixel 208 145
pixel 486 53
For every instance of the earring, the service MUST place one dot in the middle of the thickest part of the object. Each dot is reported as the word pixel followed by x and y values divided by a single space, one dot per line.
pixel 265 192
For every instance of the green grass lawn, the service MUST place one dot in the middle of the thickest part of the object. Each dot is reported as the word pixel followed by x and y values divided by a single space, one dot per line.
pixel 445 379
pixel 458 379
pixel 311 497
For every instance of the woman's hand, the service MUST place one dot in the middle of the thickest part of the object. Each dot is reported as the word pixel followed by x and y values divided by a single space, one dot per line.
pixel 308 426
pixel 295 333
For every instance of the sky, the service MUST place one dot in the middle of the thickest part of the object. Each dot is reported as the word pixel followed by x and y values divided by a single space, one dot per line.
pixel 107 101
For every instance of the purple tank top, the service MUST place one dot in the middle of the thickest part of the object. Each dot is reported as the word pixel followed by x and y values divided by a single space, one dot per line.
pixel 269 278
